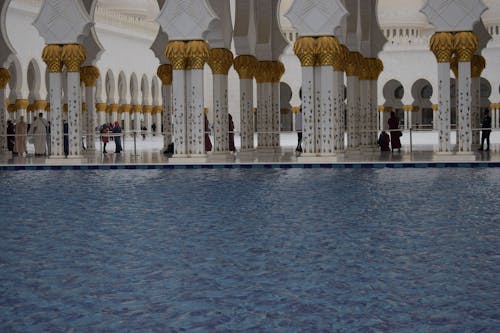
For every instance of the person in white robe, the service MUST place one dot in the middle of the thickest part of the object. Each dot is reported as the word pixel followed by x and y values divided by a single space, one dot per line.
pixel 39 133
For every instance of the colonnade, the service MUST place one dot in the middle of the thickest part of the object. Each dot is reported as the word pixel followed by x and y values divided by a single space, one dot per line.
pixel 456 48
pixel 324 61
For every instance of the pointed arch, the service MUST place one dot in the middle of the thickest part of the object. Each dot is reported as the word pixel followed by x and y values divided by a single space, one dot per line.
pixel 122 88
pixel 16 78
pixel 34 80
pixel 155 90
pixel 134 89
pixel 110 87
pixel 146 92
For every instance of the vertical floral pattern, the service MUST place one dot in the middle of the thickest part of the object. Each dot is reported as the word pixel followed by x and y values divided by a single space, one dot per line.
pixel 56 124
pixel 74 107
pixel 179 112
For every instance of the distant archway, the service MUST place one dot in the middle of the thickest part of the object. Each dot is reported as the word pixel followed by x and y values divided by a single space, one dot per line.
pixel 421 92
pixel 34 81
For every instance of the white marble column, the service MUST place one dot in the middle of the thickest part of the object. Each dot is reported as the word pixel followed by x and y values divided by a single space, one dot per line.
pixel 148 118
pixel 245 65
pixel 353 100
pixel 338 111
pixel 364 112
pixel 465 44
pixel 278 69
pixel 4 80
pixel 317 109
pixel 305 50
pixel 73 55
pixel 495 115
pixel 376 68
pixel 220 61
pixel 167 115
pixel 477 66
pixel 158 114
pixel 197 53
pixel 442 45
pixel 327 49
pixel 137 111
pixel 125 111
pixel 435 117
pixel 52 56
pixel 100 114
pixel 90 74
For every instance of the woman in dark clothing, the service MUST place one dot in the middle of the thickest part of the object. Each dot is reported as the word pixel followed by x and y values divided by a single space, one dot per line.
pixel 11 135
pixel 393 126
pixel 383 141
pixel 208 143
pixel 231 134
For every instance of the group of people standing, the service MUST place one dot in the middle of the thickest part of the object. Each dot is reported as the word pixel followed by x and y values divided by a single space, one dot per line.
pixel 116 129
pixel 208 142
pixel 17 136
pixel 394 141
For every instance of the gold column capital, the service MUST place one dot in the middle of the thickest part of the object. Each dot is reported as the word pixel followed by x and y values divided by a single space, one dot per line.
pixel 380 108
pixel 365 72
pixel 147 108
pixel 305 49
pixel 442 45
pixel 408 108
pixel 376 67
pixel 30 108
pixel 353 63
pixel 164 72
pixel 278 69
pixel 84 107
pixel 435 107
pixel 176 54
pixel 4 77
pixel 197 52
pixel 52 56
pixel 65 107
pixel 47 108
pixel 220 60
pixel 465 44
pixel 327 49
pixel 478 64
pixel 157 109
pixel 101 107
pixel 73 55
pixel 11 108
pixel 40 104
pixel 115 107
pixel 246 66
pixel 263 72
pixel 89 75
pixel 22 104
pixel 125 108
pixel 137 108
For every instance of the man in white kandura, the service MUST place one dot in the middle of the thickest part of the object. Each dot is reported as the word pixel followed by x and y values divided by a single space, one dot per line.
pixel 40 126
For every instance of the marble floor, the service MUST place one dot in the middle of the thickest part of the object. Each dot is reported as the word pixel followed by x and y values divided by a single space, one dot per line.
pixel 149 151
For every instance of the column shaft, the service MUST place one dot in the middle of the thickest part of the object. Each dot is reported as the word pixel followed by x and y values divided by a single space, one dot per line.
pixel 465 107
pixel 179 112
pixel 308 111
pixel 196 115
pixel 167 115
pixel 328 110
pixel 338 111
pixel 444 106
pixel 74 109
pixel 476 110
pixel 56 117
pixel 317 109
pixel 91 117
pixel 373 135
pixel 364 111
pixel 352 111
pixel 275 115
pixel 3 121
pixel 246 114
pixel 220 113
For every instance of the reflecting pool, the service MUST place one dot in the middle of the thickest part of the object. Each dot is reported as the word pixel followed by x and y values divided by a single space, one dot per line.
pixel 286 250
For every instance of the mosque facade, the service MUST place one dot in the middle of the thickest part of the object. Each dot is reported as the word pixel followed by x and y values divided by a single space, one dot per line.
pixel 89 62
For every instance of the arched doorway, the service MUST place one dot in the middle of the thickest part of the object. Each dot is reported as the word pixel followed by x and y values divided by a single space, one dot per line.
pixel 421 92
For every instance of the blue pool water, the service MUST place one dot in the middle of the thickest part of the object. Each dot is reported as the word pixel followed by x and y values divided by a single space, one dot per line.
pixel 297 250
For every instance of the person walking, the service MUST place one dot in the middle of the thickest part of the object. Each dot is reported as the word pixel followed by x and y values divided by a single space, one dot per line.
pixel 104 138
pixel 485 133
pixel 39 132
pixel 21 134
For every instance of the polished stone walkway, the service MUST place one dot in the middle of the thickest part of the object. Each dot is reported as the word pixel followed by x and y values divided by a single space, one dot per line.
pixel 149 152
